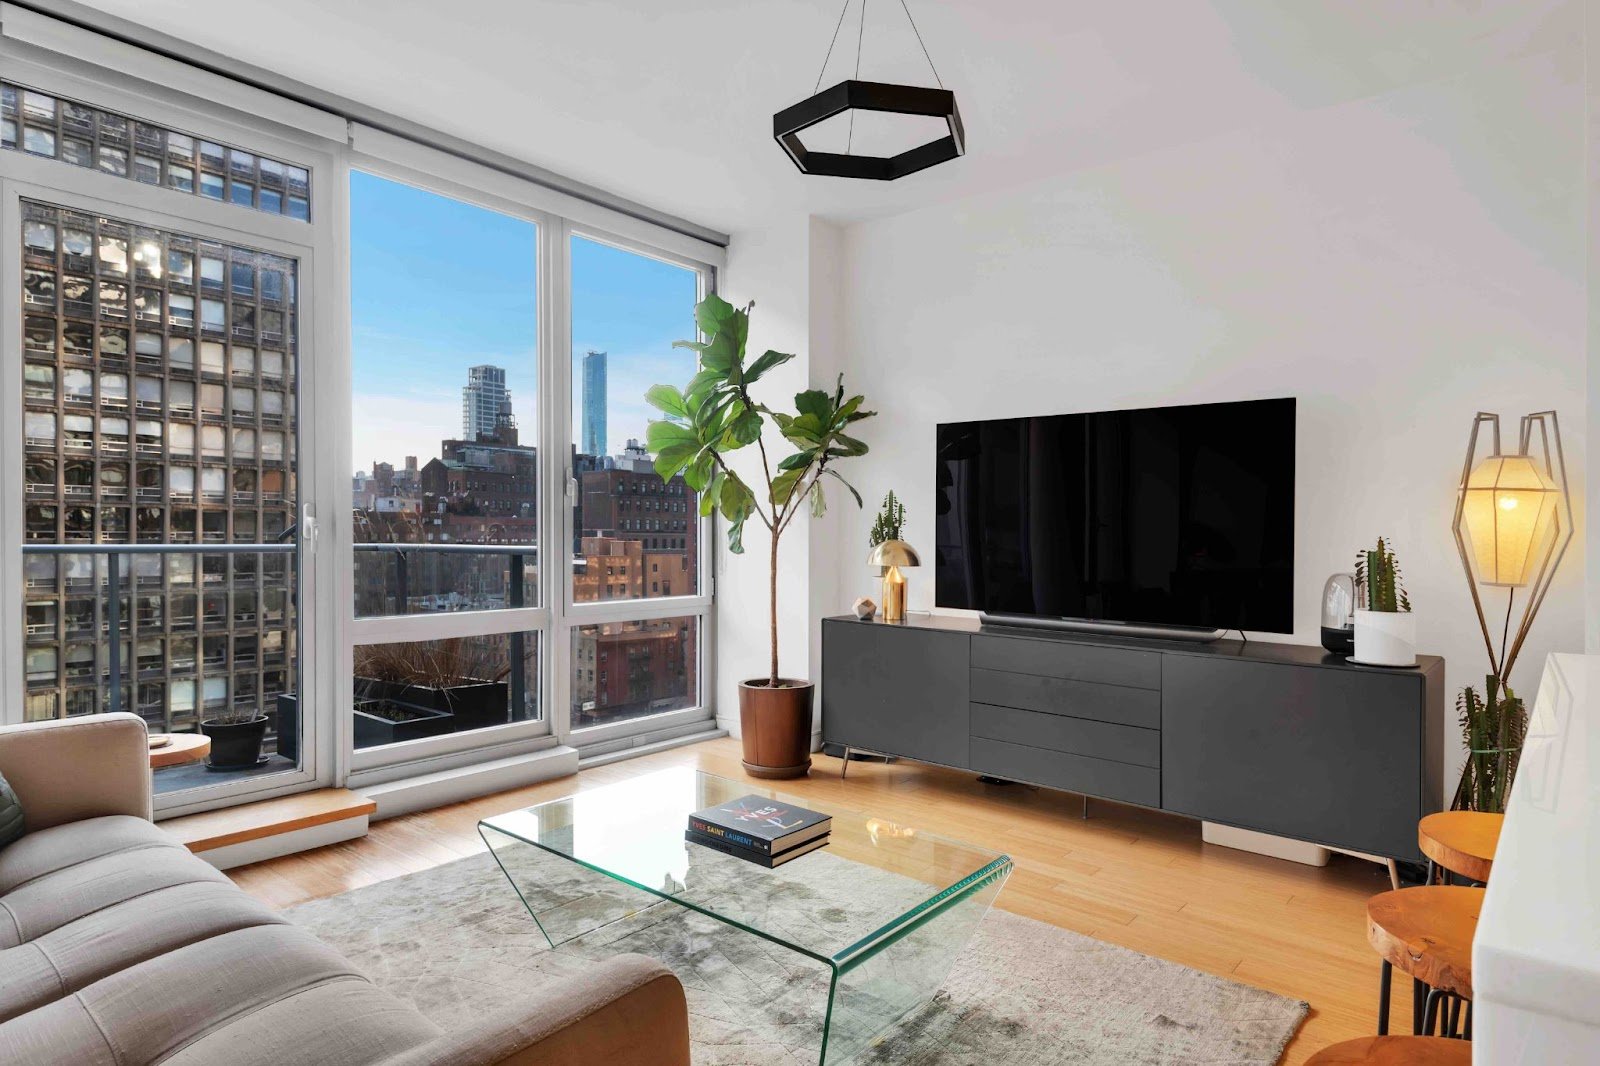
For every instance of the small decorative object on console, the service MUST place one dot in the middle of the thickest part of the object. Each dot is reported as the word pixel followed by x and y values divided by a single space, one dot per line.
pixel 864 608
pixel 1338 614
pixel 1386 630
pixel 892 555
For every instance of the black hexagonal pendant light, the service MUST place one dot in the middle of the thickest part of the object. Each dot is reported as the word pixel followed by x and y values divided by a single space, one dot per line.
pixel 856 95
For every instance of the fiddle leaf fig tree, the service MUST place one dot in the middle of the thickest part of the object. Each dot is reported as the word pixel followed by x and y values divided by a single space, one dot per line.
pixel 715 415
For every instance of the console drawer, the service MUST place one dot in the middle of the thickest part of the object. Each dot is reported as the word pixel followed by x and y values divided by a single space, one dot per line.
pixel 1078 736
pixel 1076 662
pixel 1079 699
pixel 1074 773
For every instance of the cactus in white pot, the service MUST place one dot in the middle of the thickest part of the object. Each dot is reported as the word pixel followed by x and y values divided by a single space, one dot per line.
pixel 1386 630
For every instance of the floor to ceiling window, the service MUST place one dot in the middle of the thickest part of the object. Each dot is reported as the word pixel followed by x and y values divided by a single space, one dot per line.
pixel 444 431
pixel 636 544
pixel 468 555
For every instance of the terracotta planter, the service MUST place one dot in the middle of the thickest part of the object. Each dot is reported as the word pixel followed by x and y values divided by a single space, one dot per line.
pixel 776 728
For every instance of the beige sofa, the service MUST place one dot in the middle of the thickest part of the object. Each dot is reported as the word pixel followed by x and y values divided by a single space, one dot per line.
pixel 119 947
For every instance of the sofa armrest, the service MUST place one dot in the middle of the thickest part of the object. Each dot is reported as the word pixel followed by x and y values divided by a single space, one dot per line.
pixel 632 1013
pixel 77 768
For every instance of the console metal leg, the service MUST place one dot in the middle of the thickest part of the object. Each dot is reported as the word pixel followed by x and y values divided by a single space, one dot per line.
pixel 844 766
pixel 1394 875
pixel 1085 814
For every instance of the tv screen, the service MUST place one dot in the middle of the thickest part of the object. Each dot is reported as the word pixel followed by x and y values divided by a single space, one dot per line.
pixel 1166 516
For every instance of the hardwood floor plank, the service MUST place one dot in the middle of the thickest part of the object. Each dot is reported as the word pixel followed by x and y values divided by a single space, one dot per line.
pixel 1128 876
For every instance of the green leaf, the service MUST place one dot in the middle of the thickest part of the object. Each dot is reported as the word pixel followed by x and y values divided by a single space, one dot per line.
pixel 843 445
pixel 783 486
pixel 835 475
pixel 744 429
pixel 814 402
pixel 798 461
pixel 765 363
pixel 819 505
pixel 673 459
pixel 736 537
pixel 667 400
pixel 698 346
pixel 712 312
pixel 697 475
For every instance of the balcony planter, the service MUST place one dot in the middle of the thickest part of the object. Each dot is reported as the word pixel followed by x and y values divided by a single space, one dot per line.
pixel 235 745
pixel 474 704
pixel 386 722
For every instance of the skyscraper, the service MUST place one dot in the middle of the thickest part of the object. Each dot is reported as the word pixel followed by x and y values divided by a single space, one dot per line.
pixel 594 404
pixel 485 402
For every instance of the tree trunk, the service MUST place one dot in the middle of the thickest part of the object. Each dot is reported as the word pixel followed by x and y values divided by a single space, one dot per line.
pixel 773 610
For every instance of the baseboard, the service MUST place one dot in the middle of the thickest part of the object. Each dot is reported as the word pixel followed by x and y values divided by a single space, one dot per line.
pixel 290 843
pixel 1264 844
pixel 601 758
pixel 427 791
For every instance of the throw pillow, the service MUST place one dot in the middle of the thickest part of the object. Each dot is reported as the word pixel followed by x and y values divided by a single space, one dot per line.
pixel 10 814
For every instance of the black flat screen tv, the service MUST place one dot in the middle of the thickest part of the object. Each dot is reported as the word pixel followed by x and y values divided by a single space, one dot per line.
pixel 1177 517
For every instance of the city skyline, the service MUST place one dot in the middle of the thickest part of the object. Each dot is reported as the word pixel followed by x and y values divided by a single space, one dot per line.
pixel 412 344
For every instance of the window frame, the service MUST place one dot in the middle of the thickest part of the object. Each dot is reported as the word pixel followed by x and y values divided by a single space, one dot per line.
pixel 310 243
pixel 555 616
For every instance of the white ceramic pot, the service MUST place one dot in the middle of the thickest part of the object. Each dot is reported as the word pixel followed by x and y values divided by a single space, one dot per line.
pixel 1386 638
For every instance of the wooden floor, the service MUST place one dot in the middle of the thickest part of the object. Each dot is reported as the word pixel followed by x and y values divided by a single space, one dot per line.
pixel 1129 876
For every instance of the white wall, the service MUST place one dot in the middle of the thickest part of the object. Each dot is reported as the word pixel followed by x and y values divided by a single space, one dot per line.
pixel 1396 263
pixel 1592 98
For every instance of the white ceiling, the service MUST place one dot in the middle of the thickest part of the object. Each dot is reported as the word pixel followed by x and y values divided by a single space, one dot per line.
pixel 670 102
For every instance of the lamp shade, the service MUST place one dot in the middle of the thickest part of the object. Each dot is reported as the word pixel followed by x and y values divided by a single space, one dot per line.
pixel 893 553
pixel 1509 508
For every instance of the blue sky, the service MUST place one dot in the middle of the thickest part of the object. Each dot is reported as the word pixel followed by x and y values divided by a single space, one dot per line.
pixel 438 286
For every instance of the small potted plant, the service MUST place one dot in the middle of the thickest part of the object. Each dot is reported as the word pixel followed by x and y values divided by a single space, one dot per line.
pixel 236 735
pixel 1386 630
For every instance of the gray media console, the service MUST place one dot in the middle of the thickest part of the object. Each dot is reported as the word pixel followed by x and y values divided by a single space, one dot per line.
pixel 1280 738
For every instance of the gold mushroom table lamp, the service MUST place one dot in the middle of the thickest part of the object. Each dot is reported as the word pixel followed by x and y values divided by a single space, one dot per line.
pixel 892 555
pixel 1513 525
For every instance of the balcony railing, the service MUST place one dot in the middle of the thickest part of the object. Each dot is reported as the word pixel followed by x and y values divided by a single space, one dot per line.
pixel 114 556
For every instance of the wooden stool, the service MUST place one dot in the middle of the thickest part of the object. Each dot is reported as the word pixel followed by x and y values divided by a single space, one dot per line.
pixel 1426 932
pixel 1395 1051
pixel 1461 842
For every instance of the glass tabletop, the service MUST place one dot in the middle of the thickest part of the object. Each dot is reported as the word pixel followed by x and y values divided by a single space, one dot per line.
pixel 874 882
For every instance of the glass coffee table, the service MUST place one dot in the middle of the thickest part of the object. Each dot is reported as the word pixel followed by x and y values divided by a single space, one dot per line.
pixel 884 908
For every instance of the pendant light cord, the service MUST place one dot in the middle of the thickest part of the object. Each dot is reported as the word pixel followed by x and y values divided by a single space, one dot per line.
pixel 861 32
pixel 918 32
pixel 831 43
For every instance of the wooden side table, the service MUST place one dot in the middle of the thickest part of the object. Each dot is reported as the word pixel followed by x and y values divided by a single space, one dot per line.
pixel 179 748
pixel 1395 1051
pixel 1462 842
pixel 1426 933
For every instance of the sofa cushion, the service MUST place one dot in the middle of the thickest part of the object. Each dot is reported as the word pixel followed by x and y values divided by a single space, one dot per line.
pixel 46 850
pixel 114 938
pixel 51 900
pixel 344 1022
pixel 10 814
pixel 151 1011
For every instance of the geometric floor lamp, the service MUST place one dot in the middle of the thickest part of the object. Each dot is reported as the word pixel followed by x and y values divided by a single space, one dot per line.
pixel 1513 525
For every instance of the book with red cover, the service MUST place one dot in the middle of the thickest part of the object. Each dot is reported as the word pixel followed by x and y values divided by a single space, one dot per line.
pixel 759 824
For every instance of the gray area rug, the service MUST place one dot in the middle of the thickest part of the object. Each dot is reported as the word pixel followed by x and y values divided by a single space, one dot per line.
pixel 458 943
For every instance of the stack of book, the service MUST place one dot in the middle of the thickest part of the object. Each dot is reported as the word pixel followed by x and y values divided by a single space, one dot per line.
pixel 759 829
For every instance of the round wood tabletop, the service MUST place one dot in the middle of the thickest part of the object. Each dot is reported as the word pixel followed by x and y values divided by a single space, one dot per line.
pixel 1395 1051
pixel 1463 842
pixel 1427 933
pixel 180 748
